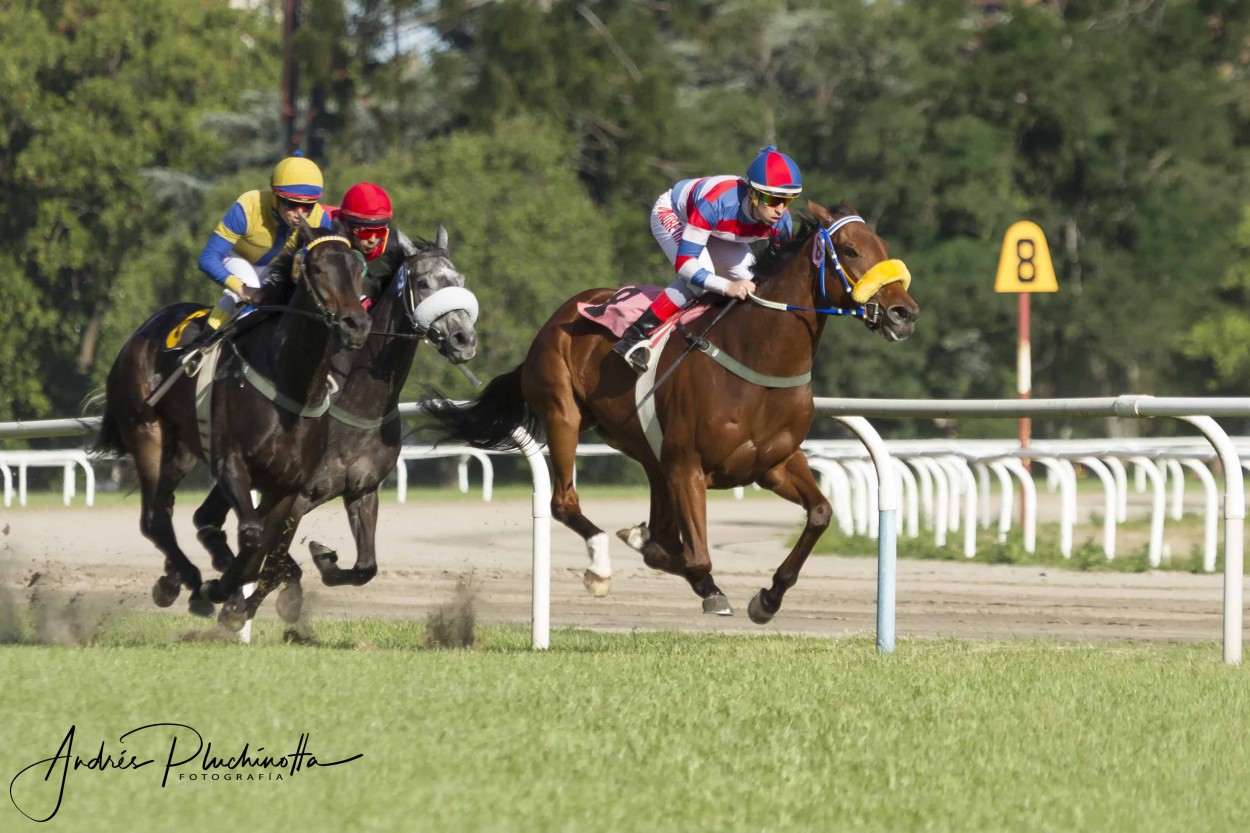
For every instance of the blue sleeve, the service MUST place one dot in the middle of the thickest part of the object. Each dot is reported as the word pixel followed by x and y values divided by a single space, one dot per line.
pixel 326 220
pixel 213 259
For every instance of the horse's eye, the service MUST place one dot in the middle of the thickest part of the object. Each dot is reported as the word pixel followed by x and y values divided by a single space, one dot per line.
pixel 848 252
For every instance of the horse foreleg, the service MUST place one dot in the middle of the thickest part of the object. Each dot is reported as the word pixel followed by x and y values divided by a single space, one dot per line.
pixel 793 481
pixel 277 529
pixel 210 520
pixel 689 489
pixel 362 516
pixel 235 485
pixel 279 569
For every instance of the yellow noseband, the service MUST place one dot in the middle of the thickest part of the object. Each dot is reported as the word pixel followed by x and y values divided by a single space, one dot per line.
pixel 884 273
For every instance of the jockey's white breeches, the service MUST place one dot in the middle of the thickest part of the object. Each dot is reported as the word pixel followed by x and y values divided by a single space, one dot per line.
pixel 244 271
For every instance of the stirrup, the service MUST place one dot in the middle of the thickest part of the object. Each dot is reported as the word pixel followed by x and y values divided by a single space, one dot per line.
pixel 638 356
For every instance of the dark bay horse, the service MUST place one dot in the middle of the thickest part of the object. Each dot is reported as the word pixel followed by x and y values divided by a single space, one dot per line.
pixel 426 300
pixel 268 441
pixel 720 430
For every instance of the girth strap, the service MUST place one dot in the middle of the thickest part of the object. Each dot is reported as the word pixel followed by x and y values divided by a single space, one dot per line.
pixel 267 390
pixel 740 370
pixel 348 418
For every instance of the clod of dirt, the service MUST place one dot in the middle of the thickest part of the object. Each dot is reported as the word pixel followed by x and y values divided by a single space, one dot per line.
pixel 453 625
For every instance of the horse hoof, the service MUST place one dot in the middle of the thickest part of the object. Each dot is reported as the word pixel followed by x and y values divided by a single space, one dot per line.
pixel 596 584
pixel 635 537
pixel 323 557
pixel 165 591
pixel 198 606
pixel 213 591
pixel 233 616
pixel 717 604
pixel 756 610
pixel 290 603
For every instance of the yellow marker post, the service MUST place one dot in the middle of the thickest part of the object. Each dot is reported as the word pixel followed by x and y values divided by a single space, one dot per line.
pixel 1024 267
pixel 1024 264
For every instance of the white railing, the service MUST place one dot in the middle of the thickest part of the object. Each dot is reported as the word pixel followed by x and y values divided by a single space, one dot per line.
pixel 1197 412
pixel 942 476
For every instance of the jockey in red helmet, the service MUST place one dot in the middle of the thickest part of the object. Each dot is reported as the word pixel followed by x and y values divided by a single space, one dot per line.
pixel 368 221
pixel 705 227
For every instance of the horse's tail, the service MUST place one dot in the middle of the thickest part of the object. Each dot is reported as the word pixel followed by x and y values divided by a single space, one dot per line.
pixel 108 437
pixel 487 421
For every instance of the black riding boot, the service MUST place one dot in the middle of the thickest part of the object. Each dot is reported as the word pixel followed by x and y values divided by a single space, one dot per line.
pixel 632 347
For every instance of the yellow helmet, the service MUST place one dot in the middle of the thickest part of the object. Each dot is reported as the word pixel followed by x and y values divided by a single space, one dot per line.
pixel 297 179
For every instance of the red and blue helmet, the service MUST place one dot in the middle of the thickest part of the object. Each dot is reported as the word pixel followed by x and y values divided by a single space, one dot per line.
pixel 775 174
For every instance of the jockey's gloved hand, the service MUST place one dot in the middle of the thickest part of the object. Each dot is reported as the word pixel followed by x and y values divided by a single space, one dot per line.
pixel 740 289
pixel 250 295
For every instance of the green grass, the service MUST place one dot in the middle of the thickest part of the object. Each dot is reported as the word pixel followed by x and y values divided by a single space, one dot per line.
pixel 654 731
pixel 1087 553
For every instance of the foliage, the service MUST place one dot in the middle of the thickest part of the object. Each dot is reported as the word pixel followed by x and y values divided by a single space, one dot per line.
pixel 94 93
pixel 541 133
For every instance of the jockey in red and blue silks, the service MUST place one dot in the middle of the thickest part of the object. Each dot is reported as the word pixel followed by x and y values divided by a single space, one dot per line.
pixel 705 227
pixel 257 228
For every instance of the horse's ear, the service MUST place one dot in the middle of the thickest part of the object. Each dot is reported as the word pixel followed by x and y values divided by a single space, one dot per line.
pixel 440 239
pixel 304 234
pixel 845 208
pixel 821 213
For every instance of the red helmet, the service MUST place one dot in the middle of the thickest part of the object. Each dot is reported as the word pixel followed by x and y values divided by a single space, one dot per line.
pixel 366 204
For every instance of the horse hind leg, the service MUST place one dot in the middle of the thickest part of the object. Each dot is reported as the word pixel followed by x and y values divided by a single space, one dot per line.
pixel 210 520
pixel 562 425
pixel 362 516
pixel 793 481
pixel 160 471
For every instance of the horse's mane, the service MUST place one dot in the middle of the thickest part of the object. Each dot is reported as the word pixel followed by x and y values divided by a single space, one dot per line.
pixel 424 245
pixel 776 255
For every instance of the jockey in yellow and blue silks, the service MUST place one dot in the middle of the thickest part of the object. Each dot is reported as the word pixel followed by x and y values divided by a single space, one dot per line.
pixel 257 228
pixel 705 227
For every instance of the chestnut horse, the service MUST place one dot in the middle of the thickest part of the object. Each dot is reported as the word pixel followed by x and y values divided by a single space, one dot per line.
pixel 269 441
pixel 721 428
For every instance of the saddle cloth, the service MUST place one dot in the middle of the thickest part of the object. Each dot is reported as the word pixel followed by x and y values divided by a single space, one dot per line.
pixel 616 314
pixel 625 307
pixel 174 338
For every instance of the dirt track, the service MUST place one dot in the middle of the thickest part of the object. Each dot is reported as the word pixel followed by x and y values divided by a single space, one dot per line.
pixel 424 549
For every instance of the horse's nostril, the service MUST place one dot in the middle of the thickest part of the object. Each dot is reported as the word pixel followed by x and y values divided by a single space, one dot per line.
pixel 900 314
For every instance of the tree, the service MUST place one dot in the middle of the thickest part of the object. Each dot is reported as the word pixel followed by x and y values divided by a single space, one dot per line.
pixel 94 93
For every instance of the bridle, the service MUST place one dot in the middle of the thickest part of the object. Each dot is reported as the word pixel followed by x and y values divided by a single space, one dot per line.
pixel 861 292
pixel 331 318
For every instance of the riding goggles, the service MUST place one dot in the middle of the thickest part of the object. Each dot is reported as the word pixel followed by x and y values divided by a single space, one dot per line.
pixel 300 204
pixel 773 200
pixel 369 232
